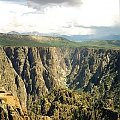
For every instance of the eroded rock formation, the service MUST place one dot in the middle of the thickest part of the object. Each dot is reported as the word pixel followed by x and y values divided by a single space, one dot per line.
pixel 32 72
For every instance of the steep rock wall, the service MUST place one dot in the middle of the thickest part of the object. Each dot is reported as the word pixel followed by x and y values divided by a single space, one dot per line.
pixel 30 72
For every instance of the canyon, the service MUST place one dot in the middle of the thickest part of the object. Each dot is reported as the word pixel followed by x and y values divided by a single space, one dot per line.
pixel 55 83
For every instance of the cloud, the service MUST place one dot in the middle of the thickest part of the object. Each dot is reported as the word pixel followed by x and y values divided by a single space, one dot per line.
pixel 13 0
pixel 106 31
pixel 57 17
pixel 22 2
pixel 38 4
pixel 101 30
pixel 114 30
pixel 45 2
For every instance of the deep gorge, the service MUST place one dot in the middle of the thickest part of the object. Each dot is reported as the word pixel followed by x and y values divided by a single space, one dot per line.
pixel 63 83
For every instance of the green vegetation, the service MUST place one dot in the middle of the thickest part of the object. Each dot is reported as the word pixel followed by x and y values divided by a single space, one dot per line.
pixel 47 41
pixel 34 41
pixel 65 104
pixel 108 44
pixel 62 104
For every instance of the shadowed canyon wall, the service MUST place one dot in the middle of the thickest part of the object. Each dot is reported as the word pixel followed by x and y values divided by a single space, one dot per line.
pixel 32 72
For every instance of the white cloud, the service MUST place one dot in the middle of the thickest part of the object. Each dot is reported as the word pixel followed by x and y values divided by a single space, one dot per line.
pixel 54 19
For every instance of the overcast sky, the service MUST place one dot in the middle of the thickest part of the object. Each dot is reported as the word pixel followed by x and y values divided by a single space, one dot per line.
pixel 68 17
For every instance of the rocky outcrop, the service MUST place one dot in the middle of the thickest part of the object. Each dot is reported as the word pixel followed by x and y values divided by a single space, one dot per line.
pixel 10 108
pixel 9 77
pixel 11 113
pixel 40 68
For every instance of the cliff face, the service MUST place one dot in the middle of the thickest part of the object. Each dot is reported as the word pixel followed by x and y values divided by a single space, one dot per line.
pixel 9 78
pixel 39 68
pixel 31 72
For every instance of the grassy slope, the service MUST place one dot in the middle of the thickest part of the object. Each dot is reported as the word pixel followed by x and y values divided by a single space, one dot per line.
pixel 36 41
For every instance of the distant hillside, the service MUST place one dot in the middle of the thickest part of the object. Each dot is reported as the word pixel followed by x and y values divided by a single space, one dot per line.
pixel 77 38
pixel 91 37
pixel 36 41
pixel 49 41
pixel 13 32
